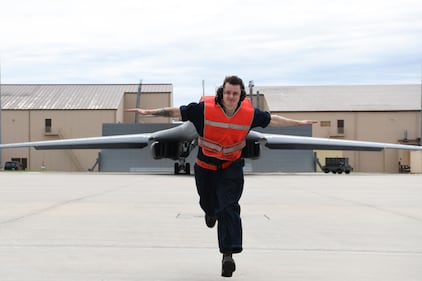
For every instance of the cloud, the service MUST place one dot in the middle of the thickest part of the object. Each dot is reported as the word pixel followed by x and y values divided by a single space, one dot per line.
pixel 184 42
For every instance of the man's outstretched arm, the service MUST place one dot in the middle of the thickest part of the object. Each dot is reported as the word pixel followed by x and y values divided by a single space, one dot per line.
pixel 164 112
pixel 280 121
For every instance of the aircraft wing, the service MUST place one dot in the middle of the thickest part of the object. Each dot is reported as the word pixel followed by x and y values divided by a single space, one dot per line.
pixel 275 141
pixel 184 132
pixel 123 141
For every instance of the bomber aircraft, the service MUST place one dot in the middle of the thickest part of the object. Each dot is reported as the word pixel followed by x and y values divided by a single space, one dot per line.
pixel 178 142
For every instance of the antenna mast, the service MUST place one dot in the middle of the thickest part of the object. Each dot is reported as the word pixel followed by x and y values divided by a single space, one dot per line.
pixel 1 159
pixel 138 101
pixel 251 85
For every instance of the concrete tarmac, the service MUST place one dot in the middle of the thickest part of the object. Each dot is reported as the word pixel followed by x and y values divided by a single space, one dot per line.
pixel 94 226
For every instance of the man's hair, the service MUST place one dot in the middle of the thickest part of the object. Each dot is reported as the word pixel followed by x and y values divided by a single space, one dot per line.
pixel 233 80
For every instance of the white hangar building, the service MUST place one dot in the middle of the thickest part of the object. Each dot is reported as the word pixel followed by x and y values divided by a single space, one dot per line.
pixel 382 113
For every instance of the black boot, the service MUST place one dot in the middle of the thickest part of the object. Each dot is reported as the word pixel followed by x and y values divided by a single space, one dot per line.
pixel 228 265
pixel 210 221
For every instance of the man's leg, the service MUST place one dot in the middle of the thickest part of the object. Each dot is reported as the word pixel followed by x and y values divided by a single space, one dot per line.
pixel 206 187
pixel 229 191
pixel 219 195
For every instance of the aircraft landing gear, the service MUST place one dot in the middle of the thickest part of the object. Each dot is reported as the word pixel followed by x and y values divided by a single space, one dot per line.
pixel 181 166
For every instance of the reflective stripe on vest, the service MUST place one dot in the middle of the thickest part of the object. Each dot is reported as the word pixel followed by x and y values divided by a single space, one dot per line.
pixel 218 148
pixel 226 125
pixel 224 136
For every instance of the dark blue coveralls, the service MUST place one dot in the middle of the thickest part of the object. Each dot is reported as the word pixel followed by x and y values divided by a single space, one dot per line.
pixel 220 191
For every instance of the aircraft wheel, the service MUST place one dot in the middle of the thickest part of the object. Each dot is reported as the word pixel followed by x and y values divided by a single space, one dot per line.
pixel 187 168
pixel 347 171
pixel 176 168
pixel 339 171
pixel 326 170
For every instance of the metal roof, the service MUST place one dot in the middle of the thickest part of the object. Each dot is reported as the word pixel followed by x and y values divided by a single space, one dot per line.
pixel 71 96
pixel 342 98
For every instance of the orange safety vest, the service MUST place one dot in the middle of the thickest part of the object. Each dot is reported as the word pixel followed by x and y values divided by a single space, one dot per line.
pixel 224 137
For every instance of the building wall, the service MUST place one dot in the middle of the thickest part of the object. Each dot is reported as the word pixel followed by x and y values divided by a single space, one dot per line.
pixel 23 126
pixel 20 126
pixel 416 162
pixel 148 101
pixel 367 126
pixel 280 160
pixel 15 128
pixel 29 125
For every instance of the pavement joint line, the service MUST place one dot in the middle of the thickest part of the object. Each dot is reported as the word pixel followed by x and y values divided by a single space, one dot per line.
pixel 133 246
pixel 359 203
pixel 60 204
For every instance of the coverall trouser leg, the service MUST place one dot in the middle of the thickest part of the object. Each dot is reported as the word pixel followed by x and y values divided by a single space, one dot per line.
pixel 219 195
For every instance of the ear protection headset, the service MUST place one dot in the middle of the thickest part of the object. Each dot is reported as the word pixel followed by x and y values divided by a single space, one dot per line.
pixel 219 96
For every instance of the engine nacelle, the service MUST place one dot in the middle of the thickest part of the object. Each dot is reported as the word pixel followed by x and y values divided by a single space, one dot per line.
pixel 162 150
pixel 252 150
pixel 174 150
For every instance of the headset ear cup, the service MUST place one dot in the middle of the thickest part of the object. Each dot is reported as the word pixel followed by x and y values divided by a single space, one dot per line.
pixel 242 95
pixel 219 95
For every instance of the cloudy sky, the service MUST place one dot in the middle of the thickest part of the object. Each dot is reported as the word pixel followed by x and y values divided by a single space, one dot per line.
pixel 183 42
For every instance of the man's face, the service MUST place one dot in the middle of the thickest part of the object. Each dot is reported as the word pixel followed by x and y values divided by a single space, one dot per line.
pixel 231 96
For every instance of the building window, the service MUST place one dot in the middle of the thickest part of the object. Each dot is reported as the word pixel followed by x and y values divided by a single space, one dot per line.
pixel 325 123
pixel 340 126
pixel 48 125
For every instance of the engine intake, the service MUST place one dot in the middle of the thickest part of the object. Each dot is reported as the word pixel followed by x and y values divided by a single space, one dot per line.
pixel 252 150
pixel 171 149
pixel 162 150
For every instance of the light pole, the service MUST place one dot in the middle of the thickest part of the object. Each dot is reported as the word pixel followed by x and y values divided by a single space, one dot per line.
pixel 138 101
pixel 1 159
pixel 251 85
